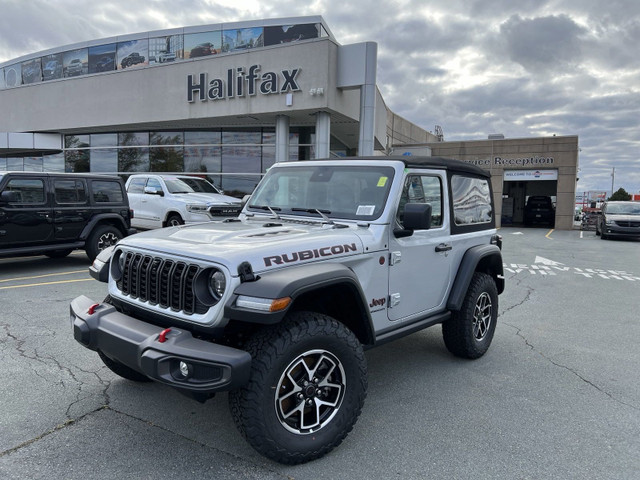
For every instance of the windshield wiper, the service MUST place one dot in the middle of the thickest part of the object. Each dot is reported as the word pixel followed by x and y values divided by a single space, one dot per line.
pixel 316 210
pixel 267 207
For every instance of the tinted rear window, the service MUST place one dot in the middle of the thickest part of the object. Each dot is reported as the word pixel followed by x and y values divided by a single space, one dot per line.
pixel 106 191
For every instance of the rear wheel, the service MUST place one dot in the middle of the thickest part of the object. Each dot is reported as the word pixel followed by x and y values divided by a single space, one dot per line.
pixel 469 331
pixel 306 390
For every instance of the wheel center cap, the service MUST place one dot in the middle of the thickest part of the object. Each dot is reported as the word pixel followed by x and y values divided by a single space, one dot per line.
pixel 309 390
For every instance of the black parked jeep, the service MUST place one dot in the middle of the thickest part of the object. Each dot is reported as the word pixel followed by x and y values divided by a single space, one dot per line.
pixel 54 214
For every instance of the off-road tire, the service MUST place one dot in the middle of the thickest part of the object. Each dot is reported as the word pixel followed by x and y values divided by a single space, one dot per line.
pixel 174 220
pixel 122 370
pixel 102 237
pixel 469 331
pixel 321 342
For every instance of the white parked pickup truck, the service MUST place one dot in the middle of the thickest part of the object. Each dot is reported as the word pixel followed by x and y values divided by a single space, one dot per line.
pixel 169 200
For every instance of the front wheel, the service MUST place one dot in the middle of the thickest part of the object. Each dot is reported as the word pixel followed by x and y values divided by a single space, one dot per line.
pixel 469 331
pixel 174 220
pixel 102 237
pixel 306 389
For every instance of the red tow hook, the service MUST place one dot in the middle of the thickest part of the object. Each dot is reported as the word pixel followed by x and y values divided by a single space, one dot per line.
pixel 92 308
pixel 163 335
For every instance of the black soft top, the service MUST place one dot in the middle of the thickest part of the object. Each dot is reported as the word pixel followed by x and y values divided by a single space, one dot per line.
pixel 442 163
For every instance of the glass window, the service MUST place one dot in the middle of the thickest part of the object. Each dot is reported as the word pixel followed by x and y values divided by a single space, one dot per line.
pixel 76 161
pixel 154 183
pixel 132 54
pixel 53 163
pixel 245 159
pixel 106 191
pixel 3 164
pixel 32 164
pixel 137 185
pixel 102 58
pixel 202 159
pixel 242 39
pixel 203 137
pixel 31 71
pixel 166 138
pixel 129 139
pixel 29 190
pixel 166 49
pixel 15 164
pixel 52 66
pixel 76 141
pixel 104 160
pixel 202 44
pixel 104 140
pixel 422 189
pixel 133 159
pixel 167 159
pixel 2 84
pixel 13 75
pixel 289 33
pixel 75 63
pixel 70 191
pixel 471 200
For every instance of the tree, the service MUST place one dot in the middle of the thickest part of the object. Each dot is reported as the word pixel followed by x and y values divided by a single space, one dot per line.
pixel 620 195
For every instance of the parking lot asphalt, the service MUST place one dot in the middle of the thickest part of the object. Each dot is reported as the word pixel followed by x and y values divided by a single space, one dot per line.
pixel 557 396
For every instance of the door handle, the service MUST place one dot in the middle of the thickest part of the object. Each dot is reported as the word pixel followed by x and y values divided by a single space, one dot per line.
pixel 444 247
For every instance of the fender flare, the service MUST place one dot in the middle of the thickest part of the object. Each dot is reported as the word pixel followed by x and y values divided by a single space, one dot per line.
pixel 113 219
pixel 295 282
pixel 484 258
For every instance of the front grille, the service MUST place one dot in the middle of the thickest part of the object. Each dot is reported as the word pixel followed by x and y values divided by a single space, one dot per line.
pixel 627 223
pixel 161 282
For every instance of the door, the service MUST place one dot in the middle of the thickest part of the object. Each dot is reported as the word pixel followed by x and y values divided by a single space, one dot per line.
pixel 71 208
pixel 26 217
pixel 137 203
pixel 420 264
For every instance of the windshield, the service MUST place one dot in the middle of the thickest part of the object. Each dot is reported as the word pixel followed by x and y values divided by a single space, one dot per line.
pixel 200 185
pixel 350 192
pixel 175 185
pixel 630 208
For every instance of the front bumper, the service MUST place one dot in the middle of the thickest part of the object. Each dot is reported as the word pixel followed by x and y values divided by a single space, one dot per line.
pixel 617 230
pixel 137 344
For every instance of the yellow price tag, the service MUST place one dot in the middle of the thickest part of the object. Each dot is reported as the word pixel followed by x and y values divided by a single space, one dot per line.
pixel 383 181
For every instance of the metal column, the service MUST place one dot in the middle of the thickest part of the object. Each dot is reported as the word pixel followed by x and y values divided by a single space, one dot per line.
pixel 323 134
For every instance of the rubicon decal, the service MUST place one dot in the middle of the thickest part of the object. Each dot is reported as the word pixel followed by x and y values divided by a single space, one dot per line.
pixel 293 257
pixel 240 82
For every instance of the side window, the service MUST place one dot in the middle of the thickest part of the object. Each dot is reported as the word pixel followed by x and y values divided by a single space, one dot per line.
pixel 422 189
pixel 70 191
pixel 136 185
pixel 106 191
pixel 154 183
pixel 27 190
pixel 471 200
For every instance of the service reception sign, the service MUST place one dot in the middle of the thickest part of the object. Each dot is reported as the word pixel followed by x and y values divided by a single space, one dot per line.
pixel 529 175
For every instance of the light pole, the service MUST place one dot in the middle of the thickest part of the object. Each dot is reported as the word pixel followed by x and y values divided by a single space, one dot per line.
pixel 613 177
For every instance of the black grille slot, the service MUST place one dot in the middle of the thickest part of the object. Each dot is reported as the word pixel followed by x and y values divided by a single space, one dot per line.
pixel 627 223
pixel 161 282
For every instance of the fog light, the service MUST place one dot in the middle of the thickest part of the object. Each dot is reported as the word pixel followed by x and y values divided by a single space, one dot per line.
pixel 186 370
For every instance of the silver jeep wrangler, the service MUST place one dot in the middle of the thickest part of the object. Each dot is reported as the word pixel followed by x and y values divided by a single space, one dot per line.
pixel 327 258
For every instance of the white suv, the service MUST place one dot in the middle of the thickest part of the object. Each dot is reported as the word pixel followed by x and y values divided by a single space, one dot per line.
pixel 169 200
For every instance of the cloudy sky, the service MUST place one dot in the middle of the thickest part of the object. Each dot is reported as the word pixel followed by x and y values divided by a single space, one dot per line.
pixel 523 68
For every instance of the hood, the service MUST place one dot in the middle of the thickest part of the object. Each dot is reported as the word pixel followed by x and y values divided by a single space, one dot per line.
pixel 266 244
pixel 207 198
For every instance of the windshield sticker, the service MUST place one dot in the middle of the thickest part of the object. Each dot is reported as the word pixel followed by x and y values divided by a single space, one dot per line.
pixel 365 209
pixel 382 181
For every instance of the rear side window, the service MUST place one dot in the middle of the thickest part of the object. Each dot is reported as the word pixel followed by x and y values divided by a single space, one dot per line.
pixel 471 200
pixel 70 191
pixel 136 185
pixel 106 191
pixel 27 190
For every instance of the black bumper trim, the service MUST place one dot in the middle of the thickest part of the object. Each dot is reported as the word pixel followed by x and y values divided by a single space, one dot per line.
pixel 134 343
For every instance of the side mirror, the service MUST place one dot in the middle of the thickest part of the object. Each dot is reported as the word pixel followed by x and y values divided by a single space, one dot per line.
pixel 417 216
pixel 10 196
pixel 153 191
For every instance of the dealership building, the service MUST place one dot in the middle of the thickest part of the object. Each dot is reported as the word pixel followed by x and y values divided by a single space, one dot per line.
pixel 229 100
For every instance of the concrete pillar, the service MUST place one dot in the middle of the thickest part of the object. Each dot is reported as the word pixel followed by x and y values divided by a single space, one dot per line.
pixel 282 138
pixel 323 134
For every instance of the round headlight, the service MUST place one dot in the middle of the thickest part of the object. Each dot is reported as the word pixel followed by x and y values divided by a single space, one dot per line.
pixel 217 284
